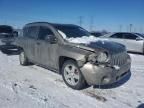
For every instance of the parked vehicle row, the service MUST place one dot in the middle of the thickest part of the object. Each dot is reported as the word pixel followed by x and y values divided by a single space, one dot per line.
pixel 71 51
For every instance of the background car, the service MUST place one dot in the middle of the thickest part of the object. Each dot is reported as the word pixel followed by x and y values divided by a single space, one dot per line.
pixel 7 37
pixel 98 33
pixel 133 41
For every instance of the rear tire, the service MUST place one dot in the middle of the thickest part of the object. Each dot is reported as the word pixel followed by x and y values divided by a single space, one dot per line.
pixel 23 59
pixel 72 75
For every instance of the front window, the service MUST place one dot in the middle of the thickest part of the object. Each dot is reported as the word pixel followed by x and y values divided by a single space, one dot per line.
pixel 44 33
pixel 129 36
pixel 117 35
pixel 140 35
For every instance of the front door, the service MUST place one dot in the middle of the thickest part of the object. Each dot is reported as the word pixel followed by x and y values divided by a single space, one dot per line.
pixel 45 50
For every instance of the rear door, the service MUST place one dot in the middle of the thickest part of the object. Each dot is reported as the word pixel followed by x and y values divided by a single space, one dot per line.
pixel 132 43
pixel 29 43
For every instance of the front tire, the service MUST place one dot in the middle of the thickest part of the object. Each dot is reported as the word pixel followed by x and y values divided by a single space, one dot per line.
pixel 72 75
pixel 23 59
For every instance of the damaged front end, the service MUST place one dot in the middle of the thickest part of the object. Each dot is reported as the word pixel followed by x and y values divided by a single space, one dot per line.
pixel 104 68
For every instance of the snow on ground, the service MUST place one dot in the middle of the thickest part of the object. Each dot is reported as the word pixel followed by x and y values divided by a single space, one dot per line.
pixel 35 87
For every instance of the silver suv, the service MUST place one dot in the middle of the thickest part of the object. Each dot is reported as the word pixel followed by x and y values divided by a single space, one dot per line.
pixel 72 52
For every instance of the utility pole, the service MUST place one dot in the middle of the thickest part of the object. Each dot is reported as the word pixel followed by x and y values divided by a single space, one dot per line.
pixel 91 23
pixel 141 30
pixel 80 20
pixel 135 30
pixel 120 28
pixel 127 28
pixel 131 25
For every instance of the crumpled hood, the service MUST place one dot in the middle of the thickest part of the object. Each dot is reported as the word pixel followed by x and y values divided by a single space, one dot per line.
pixel 110 46
pixel 89 43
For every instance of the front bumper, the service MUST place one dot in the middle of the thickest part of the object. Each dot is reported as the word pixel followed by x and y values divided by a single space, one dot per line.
pixel 101 74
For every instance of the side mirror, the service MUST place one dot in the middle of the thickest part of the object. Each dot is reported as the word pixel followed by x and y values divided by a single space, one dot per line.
pixel 51 39
pixel 15 34
pixel 138 39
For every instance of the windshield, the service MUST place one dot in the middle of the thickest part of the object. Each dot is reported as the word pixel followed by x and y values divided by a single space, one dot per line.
pixel 72 31
pixel 140 35
pixel 76 34
pixel 6 29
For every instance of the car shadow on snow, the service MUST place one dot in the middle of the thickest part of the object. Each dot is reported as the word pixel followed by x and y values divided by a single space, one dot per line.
pixel 114 85
pixel 10 52
pixel 135 53
pixel 141 106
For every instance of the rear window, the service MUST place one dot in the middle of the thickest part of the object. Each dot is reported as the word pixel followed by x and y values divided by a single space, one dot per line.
pixel 6 29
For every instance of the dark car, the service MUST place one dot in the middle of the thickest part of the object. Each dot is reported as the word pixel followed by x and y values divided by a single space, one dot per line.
pixel 7 37
pixel 71 51
pixel 96 34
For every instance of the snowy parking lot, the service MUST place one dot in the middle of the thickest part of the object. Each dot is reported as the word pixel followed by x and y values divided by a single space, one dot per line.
pixel 36 87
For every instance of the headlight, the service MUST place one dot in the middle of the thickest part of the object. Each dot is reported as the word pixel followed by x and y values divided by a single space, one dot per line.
pixel 98 58
pixel 92 58
pixel 129 59
pixel 102 57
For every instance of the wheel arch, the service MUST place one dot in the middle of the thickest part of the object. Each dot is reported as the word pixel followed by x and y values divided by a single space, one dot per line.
pixel 62 59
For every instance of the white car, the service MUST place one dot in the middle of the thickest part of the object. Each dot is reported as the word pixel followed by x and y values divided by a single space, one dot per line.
pixel 133 41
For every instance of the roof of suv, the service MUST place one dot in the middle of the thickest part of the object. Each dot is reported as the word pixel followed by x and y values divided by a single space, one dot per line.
pixel 52 24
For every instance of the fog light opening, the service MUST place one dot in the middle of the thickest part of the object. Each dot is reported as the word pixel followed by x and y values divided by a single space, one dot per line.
pixel 106 80
pixel 117 78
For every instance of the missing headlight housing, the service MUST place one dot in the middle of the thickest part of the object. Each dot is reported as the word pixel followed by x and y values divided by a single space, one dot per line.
pixel 101 57
pixel 92 58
